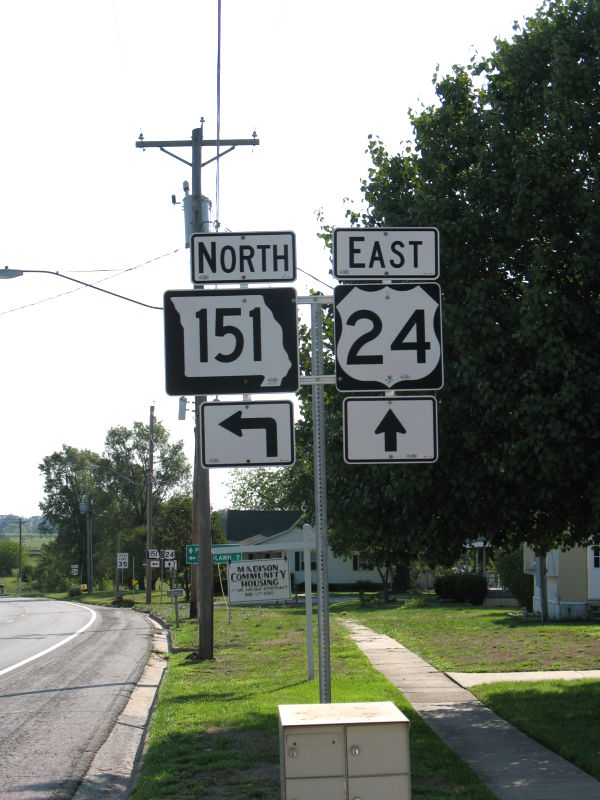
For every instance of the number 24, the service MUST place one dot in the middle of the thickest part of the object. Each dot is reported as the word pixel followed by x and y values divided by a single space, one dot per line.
pixel 416 321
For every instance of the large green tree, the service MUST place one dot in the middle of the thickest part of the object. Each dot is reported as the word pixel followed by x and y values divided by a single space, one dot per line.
pixel 116 484
pixel 69 483
pixel 126 462
pixel 505 165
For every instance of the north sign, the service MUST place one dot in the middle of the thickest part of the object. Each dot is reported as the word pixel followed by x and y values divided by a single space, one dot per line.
pixel 388 337
pixel 368 254
pixel 243 257
pixel 231 341
pixel 247 434
pixel 395 429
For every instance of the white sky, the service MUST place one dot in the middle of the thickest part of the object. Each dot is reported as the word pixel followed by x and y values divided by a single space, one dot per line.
pixel 79 82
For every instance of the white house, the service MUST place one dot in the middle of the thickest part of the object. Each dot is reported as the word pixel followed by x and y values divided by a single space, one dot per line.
pixel 572 582
pixel 274 533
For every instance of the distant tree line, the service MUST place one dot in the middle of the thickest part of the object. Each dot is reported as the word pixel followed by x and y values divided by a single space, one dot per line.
pixel 114 483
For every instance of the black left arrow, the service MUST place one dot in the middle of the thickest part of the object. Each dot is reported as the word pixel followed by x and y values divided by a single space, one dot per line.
pixel 390 426
pixel 237 424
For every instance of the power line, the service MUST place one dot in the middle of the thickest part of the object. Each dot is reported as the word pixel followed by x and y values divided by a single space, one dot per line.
pixel 92 285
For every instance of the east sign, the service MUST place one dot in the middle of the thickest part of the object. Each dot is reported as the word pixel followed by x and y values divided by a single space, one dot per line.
pixel 369 254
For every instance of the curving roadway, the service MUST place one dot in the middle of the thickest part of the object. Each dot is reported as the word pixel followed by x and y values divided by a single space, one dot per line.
pixel 66 673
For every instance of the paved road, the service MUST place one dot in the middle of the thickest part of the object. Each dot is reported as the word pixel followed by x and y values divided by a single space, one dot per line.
pixel 57 709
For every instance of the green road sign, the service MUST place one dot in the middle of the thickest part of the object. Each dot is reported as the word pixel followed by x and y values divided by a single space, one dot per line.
pixel 224 558
pixel 191 554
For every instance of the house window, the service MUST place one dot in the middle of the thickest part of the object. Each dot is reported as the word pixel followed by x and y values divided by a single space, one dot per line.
pixel 596 555
pixel 299 563
pixel 360 562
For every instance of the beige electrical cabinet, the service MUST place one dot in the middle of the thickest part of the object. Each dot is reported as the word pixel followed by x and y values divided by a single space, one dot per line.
pixel 344 751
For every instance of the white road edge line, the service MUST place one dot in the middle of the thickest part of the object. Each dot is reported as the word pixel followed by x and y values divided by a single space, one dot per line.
pixel 54 646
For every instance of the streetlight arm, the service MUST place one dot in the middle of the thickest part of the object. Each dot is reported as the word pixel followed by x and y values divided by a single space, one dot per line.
pixel 7 273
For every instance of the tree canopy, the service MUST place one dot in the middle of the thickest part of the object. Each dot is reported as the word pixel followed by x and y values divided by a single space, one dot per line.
pixel 115 484
pixel 505 165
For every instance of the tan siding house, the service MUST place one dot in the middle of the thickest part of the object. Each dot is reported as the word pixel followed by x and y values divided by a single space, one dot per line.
pixel 572 581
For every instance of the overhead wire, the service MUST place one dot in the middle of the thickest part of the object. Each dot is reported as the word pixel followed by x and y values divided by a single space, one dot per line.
pixel 94 284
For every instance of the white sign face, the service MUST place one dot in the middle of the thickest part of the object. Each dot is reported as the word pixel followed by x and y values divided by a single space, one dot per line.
pixel 231 341
pixel 388 337
pixel 265 580
pixel 122 560
pixel 243 257
pixel 153 554
pixel 373 253
pixel 384 430
pixel 169 554
pixel 155 564
pixel 247 434
pixel 74 569
pixel 171 564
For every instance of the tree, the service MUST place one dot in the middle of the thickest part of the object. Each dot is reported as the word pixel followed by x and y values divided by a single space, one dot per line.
pixel 173 530
pixel 505 166
pixel 126 463
pixel 68 481
pixel 117 487
pixel 9 556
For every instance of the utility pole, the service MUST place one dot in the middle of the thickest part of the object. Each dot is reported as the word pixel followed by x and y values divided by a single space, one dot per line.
pixel 20 578
pixel 202 588
pixel 88 527
pixel 149 506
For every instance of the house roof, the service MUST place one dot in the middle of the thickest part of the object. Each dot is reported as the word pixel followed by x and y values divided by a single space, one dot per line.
pixel 240 526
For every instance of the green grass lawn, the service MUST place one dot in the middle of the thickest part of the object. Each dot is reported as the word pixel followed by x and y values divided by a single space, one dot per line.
pixel 459 638
pixel 562 715
pixel 214 733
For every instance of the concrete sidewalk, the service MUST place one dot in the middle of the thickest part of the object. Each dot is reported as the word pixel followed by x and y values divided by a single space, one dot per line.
pixel 510 763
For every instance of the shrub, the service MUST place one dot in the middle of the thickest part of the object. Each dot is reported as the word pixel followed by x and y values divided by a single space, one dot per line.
pixel 445 586
pixel 75 591
pixel 512 577
pixel 471 587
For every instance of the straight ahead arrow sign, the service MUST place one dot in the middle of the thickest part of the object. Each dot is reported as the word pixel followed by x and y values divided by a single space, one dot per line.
pixel 237 424
pixel 382 430
pixel 390 426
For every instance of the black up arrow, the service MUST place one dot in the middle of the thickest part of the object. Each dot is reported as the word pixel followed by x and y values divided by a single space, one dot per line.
pixel 390 426
pixel 236 424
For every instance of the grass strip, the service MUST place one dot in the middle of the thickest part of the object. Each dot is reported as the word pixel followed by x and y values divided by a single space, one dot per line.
pixel 214 733
pixel 459 638
pixel 562 715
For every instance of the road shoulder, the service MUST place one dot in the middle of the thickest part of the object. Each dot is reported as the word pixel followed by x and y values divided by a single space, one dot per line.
pixel 114 768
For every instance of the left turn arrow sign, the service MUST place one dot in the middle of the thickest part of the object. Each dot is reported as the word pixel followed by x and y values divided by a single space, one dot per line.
pixel 247 434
